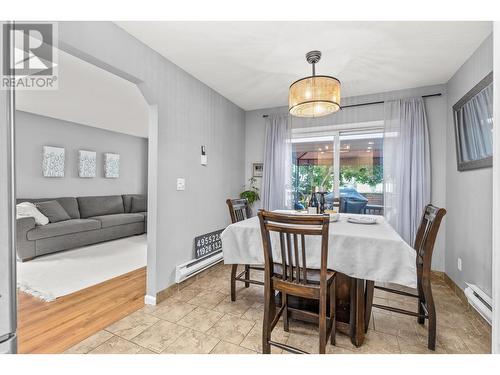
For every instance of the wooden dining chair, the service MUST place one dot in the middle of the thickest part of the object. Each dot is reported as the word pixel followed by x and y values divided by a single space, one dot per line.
pixel 291 276
pixel 239 210
pixel 424 246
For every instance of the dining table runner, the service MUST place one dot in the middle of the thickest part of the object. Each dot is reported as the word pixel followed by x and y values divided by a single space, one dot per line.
pixel 365 251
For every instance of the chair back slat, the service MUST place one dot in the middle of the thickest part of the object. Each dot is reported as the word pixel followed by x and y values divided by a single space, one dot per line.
pixel 304 262
pixel 426 235
pixel 296 257
pixel 239 209
pixel 283 256
pixel 293 260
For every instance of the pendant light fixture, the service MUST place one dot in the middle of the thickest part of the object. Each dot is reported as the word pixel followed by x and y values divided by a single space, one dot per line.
pixel 314 96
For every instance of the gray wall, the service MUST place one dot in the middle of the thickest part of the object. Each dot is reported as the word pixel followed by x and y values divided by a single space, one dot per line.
pixel 34 131
pixel 190 114
pixel 436 115
pixel 469 193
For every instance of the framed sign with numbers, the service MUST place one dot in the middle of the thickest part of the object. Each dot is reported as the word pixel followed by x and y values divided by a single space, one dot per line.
pixel 207 244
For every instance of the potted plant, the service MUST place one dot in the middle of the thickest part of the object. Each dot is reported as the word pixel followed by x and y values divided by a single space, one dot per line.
pixel 252 193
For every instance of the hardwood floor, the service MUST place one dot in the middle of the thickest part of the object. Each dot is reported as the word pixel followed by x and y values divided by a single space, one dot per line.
pixel 53 327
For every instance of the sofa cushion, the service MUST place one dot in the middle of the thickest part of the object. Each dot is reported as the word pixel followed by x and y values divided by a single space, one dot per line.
pixel 98 206
pixel 63 227
pixel 118 219
pixel 69 204
pixel 139 204
pixel 53 210
pixel 127 201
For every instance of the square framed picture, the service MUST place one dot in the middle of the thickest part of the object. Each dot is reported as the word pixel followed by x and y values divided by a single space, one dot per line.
pixel 87 163
pixel 258 170
pixel 111 165
pixel 53 161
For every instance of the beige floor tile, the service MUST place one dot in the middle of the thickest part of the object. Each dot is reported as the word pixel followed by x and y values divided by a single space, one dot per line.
pixel 201 319
pixel 375 343
pixel 397 325
pixel 207 299
pixel 231 329
pixel 117 345
pixel 253 292
pixel 408 346
pixel 192 342
pixel 333 349
pixel 212 282
pixel 303 328
pixel 237 308
pixel 90 343
pixel 159 336
pixel 170 310
pixel 202 304
pixel 224 347
pixel 409 304
pixel 186 294
pixel 307 343
pixel 255 314
pixel 447 337
pixel 253 340
pixel 132 325
pixel 477 344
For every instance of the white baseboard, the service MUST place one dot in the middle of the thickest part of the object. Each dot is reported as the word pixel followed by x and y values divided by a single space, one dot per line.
pixel 149 300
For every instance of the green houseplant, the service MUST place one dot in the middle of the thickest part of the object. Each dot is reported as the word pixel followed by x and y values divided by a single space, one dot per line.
pixel 252 193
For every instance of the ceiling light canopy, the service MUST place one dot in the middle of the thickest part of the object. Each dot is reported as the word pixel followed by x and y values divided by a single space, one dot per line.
pixel 314 96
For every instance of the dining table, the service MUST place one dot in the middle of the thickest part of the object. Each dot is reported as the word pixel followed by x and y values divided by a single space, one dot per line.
pixel 359 253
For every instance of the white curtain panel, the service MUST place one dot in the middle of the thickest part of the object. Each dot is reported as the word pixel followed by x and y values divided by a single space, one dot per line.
pixel 407 171
pixel 276 180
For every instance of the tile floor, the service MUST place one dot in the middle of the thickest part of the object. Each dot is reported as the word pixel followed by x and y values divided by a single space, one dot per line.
pixel 200 318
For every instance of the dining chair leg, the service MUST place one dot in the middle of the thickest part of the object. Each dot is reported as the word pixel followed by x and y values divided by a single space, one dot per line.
pixel 284 302
pixel 269 312
pixel 370 288
pixel 322 321
pixel 234 269
pixel 333 314
pixel 431 311
pixel 247 275
pixel 421 297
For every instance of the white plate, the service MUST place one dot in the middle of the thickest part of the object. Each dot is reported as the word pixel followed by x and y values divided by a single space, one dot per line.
pixel 362 220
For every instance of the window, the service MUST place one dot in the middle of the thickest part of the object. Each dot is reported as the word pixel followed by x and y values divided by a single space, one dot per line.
pixel 346 164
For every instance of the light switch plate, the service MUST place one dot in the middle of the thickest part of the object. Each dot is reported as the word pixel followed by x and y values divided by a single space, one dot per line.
pixel 204 160
pixel 181 184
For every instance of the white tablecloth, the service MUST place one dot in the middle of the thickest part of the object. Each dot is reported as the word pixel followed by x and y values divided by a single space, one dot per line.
pixel 372 252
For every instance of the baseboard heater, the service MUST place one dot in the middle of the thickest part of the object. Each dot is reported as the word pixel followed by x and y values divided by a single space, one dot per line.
pixel 189 269
pixel 480 301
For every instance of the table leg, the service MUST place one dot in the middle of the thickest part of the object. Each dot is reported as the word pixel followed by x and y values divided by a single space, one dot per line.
pixel 357 313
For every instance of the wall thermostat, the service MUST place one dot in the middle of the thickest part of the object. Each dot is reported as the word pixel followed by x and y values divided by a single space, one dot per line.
pixel 204 160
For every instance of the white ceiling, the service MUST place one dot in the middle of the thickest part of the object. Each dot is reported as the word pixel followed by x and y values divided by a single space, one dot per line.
pixel 253 63
pixel 91 96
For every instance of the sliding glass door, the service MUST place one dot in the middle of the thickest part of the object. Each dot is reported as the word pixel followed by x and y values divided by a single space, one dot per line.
pixel 361 172
pixel 312 167
pixel 347 164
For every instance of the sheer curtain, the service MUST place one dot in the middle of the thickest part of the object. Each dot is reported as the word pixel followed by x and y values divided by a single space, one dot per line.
pixel 407 172
pixel 276 180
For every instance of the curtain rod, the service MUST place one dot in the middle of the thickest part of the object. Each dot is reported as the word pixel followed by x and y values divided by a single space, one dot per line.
pixel 371 103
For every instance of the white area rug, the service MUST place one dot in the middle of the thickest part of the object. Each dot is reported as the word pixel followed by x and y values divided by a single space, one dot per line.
pixel 55 275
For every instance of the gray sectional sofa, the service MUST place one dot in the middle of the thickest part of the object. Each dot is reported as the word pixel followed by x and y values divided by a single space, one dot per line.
pixel 92 220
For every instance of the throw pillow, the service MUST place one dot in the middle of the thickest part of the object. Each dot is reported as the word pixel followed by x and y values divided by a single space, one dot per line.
pixel 27 209
pixel 53 210
pixel 139 204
